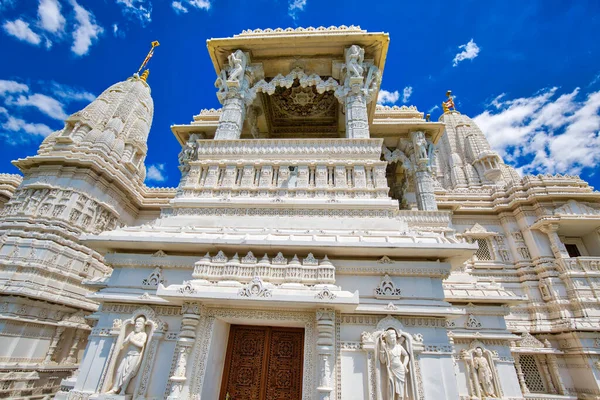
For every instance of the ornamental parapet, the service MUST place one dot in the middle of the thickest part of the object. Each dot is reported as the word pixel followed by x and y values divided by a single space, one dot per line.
pixel 276 270
pixel 335 169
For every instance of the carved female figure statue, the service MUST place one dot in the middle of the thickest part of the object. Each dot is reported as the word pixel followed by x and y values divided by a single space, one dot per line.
pixel 395 358
pixel 354 59
pixel 237 61
pixel 135 342
pixel 484 373
pixel 421 145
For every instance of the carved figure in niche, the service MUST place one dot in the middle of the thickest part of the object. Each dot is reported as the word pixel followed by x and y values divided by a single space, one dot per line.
pixel 129 365
pixel 354 60
pixel 484 373
pixel 395 358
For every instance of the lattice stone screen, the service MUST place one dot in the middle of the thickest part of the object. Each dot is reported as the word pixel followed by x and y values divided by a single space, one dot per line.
pixel 531 373
pixel 483 252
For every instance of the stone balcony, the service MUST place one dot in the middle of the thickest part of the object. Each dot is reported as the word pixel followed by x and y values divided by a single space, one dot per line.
pixel 315 171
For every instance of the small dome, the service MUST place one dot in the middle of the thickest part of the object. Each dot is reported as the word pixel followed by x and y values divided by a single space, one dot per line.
pixel 118 147
pixel 92 136
pixel 107 138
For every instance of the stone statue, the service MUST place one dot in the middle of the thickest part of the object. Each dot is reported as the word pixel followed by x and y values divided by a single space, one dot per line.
pixel 395 358
pixel 237 65
pixel 354 60
pixel 484 373
pixel 129 365
pixel 421 144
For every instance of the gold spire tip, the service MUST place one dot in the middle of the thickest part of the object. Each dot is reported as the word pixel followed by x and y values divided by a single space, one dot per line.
pixel 145 75
pixel 149 56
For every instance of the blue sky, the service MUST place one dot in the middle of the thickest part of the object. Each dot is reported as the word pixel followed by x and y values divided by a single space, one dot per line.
pixel 528 72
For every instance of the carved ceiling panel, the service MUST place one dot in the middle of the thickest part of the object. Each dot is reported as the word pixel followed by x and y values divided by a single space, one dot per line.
pixel 298 110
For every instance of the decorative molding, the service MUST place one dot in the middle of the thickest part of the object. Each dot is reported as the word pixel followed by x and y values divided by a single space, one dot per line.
pixel 387 289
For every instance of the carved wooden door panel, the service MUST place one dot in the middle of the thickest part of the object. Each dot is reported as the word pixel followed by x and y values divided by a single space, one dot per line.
pixel 263 363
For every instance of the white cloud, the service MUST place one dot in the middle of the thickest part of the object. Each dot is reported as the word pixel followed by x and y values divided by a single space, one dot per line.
pixel 470 51
pixel 69 93
pixel 46 104
pixel 156 173
pixel 3 110
pixel 50 16
pixel 406 93
pixel 115 29
pixel 294 6
pixel 140 9
pixel 432 109
pixel 178 7
pixel 86 30
pixel 182 5
pixel 385 97
pixel 18 125
pixel 545 134
pixel 21 30
pixel 12 87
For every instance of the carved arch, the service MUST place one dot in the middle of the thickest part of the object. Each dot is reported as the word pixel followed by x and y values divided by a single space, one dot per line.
pixel 288 80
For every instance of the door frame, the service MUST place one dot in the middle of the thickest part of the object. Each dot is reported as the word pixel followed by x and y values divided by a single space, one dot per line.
pixel 265 365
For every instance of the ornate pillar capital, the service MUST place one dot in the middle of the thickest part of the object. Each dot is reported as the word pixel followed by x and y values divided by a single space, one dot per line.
pixel 361 83
pixel 235 93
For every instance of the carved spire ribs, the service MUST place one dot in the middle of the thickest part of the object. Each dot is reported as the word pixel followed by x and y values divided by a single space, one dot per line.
pixel 275 270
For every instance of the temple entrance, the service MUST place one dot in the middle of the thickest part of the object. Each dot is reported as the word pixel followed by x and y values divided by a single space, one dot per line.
pixel 263 363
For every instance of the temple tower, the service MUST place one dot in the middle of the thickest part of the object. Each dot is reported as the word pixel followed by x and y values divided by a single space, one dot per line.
pixel 86 178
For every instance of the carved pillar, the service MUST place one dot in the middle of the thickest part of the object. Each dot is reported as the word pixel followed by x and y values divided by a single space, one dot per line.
pixel 471 376
pixel 232 117
pixel 558 248
pixel 325 349
pixel 72 357
pixel 187 337
pixel 53 344
pixel 524 388
pixel 358 91
pixel 423 179
pixel 235 95
pixel 553 364
pixel 547 375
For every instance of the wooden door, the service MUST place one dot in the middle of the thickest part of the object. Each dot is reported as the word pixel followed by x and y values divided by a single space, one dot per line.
pixel 263 363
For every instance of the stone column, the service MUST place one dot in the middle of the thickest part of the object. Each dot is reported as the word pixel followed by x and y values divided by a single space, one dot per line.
pixel 524 388
pixel 235 95
pixel 424 187
pixel 232 118
pixel 358 91
pixel 547 375
pixel 325 350
pixel 187 336
pixel 558 248
pixel 72 358
pixel 554 372
pixel 53 344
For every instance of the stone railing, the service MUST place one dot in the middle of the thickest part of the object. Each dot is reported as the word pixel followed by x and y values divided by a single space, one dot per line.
pixel 581 264
pixel 326 168
pixel 277 270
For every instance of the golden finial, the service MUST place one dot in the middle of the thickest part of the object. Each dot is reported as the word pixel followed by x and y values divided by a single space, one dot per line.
pixel 149 56
pixel 448 105
pixel 145 75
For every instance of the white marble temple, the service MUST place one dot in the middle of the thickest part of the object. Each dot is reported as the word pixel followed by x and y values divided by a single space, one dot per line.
pixel 414 262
